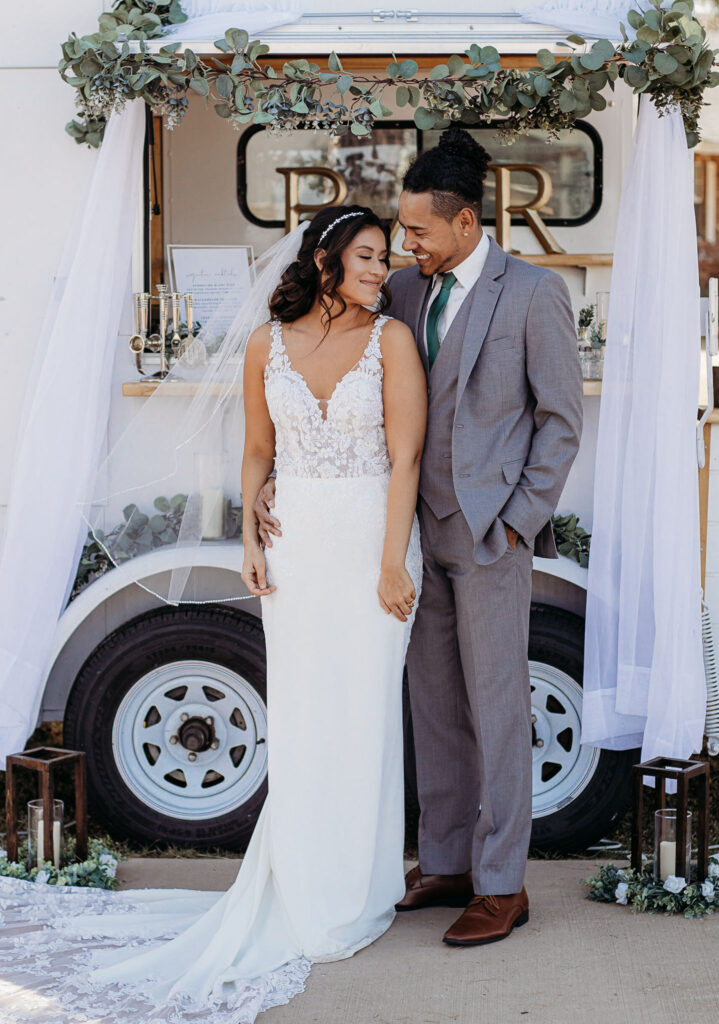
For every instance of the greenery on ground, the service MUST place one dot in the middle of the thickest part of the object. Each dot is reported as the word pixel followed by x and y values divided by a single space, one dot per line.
pixel 663 54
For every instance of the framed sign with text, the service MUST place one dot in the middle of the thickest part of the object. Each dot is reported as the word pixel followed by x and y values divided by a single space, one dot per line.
pixel 219 277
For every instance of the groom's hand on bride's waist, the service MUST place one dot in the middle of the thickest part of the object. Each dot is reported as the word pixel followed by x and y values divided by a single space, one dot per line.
pixel 266 522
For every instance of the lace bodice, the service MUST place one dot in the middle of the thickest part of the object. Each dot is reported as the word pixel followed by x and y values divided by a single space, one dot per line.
pixel 349 439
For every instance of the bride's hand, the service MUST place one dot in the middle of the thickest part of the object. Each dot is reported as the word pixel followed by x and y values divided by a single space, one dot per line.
pixel 254 572
pixel 396 592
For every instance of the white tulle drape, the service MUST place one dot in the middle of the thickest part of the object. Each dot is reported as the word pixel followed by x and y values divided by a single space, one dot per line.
pixel 586 17
pixel 64 423
pixel 643 674
pixel 210 19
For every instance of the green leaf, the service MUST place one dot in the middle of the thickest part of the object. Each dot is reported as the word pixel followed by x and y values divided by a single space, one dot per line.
pixel 200 86
pixel 665 63
pixel 344 82
pixel 579 40
pixel 439 71
pixel 545 59
pixel 542 85
pixel 224 85
pixel 635 76
pixel 567 102
pixel 393 69
pixel 161 504
pixel 605 48
pixel 456 65
pixel 408 69
pixel 301 108
pixel 359 129
pixel 222 109
pixel 653 19
pixel 414 95
pixel 591 61
pixel 597 101
pixel 402 96
pixel 424 119
pixel 334 63
pixel 237 38
pixel 648 35
pixel 129 511
pixel 178 501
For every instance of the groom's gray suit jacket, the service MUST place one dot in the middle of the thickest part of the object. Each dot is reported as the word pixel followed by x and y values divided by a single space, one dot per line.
pixel 505 401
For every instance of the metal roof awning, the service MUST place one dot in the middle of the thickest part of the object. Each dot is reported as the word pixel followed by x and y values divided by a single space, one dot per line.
pixel 387 30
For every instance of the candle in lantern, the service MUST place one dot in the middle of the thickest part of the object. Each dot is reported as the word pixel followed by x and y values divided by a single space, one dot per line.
pixel 667 859
pixel 36 832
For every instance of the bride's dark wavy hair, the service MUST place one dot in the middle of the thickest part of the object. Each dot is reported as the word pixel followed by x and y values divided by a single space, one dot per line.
pixel 302 283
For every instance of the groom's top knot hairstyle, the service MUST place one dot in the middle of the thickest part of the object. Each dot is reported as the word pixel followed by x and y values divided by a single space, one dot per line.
pixel 331 230
pixel 453 171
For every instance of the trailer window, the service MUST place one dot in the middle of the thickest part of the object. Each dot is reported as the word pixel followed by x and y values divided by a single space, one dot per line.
pixel 573 162
pixel 373 168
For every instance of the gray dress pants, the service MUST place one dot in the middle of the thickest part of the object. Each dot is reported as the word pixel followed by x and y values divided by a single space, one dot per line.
pixel 470 701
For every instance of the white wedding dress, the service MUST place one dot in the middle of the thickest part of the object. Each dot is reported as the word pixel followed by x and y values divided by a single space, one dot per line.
pixel 325 863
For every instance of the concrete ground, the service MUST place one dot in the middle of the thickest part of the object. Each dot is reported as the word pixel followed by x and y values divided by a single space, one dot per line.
pixel 576 962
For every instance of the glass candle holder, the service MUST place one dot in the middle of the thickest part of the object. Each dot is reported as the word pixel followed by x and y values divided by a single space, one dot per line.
pixel 665 843
pixel 36 833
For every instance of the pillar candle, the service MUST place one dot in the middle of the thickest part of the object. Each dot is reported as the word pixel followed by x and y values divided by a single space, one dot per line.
pixel 667 859
pixel 56 842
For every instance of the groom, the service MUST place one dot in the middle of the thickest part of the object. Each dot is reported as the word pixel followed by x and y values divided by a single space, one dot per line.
pixel 498 342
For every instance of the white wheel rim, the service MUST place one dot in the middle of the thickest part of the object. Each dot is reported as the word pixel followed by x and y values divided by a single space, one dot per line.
pixel 561 766
pixel 160 770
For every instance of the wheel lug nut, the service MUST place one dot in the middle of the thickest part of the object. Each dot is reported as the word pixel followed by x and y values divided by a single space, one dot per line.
pixel 174 739
pixel 191 756
pixel 215 744
pixel 540 743
pixel 184 716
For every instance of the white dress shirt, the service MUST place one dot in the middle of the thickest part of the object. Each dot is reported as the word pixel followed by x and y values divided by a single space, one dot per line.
pixel 467 274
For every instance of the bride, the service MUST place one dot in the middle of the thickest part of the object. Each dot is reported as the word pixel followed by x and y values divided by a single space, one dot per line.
pixel 335 402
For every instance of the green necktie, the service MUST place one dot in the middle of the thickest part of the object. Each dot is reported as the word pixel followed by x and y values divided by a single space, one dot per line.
pixel 435 312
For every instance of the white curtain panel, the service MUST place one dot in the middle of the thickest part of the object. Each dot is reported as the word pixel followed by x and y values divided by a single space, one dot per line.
pixel 64 424
pixel 210 19
pixel 644 676
pixel 585 17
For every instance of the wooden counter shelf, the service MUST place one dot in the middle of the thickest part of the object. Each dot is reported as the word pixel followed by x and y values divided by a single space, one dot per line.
pixel 188 388
pixel 173 388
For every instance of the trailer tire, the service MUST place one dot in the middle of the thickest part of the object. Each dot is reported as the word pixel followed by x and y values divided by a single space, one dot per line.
pixel 592 790
pixel 130 692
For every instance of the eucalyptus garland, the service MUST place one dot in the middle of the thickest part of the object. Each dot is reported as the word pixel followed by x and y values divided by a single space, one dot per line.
pixel 572 539
pixel 667 58
pixel 98 871
pixel 641 891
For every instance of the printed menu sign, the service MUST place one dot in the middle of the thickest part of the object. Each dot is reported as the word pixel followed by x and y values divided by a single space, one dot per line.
pixel 219 277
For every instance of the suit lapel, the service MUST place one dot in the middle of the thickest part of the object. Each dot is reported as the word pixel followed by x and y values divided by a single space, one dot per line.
pixel 416 301
pixel 479 306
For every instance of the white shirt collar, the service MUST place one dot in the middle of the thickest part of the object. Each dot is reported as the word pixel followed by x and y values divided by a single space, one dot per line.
pixel 467 272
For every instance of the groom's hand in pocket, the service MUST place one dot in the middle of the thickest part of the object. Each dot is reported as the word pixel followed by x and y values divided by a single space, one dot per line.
pixel 266 522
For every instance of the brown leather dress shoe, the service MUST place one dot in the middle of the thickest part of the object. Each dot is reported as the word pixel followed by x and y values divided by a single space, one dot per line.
pixel 435 890
pixel 489 919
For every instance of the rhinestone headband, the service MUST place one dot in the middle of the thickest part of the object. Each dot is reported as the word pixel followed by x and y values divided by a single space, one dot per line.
pixel 345 216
